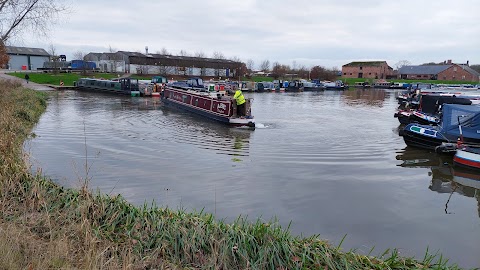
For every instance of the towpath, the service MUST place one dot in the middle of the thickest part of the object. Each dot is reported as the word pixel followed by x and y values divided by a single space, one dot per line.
pixel 31 85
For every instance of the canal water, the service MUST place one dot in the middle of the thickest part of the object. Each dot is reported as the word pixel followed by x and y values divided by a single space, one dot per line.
pixel 327 163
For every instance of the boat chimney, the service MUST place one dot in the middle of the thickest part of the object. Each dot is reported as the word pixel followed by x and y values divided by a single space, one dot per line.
pixel 467 63
pixel 449 61
pixel 146 49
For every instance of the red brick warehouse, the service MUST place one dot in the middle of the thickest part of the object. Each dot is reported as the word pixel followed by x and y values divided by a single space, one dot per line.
pixel 367 69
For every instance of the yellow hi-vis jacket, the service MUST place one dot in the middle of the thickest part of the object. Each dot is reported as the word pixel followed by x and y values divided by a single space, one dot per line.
pixel 239 97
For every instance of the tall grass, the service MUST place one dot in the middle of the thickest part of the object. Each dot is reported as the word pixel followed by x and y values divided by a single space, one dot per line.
pixel 44 225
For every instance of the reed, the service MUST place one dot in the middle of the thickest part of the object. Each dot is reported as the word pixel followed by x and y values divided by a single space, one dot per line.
pixel 44 225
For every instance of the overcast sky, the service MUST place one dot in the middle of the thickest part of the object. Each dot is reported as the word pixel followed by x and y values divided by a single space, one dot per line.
pixel 309 32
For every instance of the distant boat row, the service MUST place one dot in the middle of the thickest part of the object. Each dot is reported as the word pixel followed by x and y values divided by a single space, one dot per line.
pixel 383 84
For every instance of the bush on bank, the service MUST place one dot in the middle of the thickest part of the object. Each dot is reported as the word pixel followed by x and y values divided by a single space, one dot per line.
pixel 44 225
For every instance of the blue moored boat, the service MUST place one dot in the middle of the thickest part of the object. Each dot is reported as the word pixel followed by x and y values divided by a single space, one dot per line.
pixel 430 137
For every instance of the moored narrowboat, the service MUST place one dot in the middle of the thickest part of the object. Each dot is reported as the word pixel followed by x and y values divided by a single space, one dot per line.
pixel 123 86
pixel 468 157
pixel 453 115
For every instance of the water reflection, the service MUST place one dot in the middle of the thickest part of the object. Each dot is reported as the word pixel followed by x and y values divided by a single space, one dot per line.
pixel 445 178
pixel 371 97
pixel 148 119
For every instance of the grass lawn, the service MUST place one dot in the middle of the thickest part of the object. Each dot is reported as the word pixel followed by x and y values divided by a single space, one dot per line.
pixel 67 78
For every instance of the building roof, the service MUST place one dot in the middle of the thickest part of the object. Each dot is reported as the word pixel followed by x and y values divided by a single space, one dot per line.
pixel 137 54
pixel 166 60
pixel 26 51
pixel 424 70
pixel 470 70
pixel 178 57
pixel 365 63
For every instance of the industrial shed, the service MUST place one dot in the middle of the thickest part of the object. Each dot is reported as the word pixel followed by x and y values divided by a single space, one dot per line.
pixel 139 63
pixel 24 58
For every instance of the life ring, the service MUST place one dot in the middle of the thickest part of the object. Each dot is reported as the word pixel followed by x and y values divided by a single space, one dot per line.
pixel 61 83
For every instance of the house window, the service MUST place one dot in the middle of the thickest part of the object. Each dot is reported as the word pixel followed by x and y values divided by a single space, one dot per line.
pixel 370 73
pixel 463 77
pixel 444 77
pixel 361 68
pixel 350 73
pixel 454 68
pixel 345 73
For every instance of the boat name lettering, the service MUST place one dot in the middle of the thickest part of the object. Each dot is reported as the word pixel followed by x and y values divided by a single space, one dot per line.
pixel 221 107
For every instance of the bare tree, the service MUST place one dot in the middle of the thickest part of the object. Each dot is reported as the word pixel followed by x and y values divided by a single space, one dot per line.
pixel 218 55
pixel 303 72
pixel 319 72
pixel 250 65
pixel 4 58
pixel 79 55
pixel 183 53
pixel 22 15
pixel 265 65
pixel 54 58
pixel 236 59
pixel 163 51
pixel 200 55
pixel 402 63
pixel 276 70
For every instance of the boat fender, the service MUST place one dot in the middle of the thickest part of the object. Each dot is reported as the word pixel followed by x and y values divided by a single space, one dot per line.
pixel 446 148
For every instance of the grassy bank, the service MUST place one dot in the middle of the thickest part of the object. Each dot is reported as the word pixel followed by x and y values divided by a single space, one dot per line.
pixel 43 225
pixel 67 78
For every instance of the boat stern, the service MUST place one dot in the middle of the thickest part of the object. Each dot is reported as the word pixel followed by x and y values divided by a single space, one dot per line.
pixel 242 122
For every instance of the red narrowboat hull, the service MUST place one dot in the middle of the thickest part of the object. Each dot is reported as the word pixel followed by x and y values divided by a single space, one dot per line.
pixel 204 104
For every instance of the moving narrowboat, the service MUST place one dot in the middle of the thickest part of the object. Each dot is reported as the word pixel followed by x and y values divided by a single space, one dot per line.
pixel 192 96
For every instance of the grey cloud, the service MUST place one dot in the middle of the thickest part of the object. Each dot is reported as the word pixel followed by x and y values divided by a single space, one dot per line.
pixel 282 30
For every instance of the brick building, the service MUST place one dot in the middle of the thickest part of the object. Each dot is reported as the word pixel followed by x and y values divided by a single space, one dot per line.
pixel 367 69
pixel 448 71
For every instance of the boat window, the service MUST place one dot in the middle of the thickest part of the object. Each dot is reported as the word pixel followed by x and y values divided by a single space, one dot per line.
pixel 200 81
